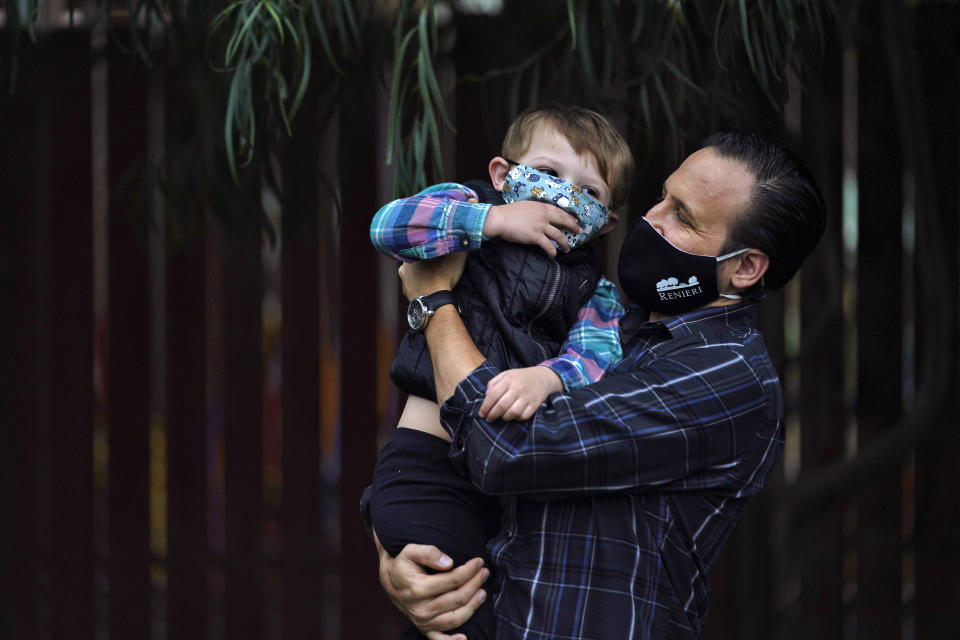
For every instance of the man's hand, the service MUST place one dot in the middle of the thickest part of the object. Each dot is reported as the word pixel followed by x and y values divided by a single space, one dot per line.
pixel 516 394
pixel 529 222
pixel 427 276
pixel 437 602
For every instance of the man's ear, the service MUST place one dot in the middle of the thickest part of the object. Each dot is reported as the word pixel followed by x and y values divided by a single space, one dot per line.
pixel 753 264
pixel 498 169
pixel 611 223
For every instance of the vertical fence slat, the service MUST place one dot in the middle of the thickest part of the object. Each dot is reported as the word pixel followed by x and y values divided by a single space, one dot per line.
pixel 879 331
pixel 128 339
pixel 20 322
pixel 362 600
pixel 188 557
pixel 821 401
pixel 243 429
pixel 937 595
pixel 69 369
pixel 300 343
pixel 187 546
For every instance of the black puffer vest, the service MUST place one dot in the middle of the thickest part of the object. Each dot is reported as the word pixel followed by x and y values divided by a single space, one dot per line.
pixel 516 302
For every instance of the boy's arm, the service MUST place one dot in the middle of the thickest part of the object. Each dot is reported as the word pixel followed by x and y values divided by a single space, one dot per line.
pixel 437 221
pixel 592 345
pixel 441 220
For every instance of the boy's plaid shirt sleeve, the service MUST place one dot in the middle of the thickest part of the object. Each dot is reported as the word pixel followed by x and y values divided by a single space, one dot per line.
pixel 435 222
pixel 593 343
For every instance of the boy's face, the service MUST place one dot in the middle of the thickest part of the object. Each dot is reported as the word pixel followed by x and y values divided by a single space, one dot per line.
pixel 551 153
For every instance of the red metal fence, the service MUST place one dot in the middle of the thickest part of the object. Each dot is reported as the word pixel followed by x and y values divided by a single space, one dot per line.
pixel 177 462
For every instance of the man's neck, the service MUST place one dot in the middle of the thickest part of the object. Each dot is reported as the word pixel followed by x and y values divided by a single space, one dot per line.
pixel 719 302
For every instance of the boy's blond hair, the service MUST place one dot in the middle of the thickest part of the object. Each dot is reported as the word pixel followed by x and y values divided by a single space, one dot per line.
pixel 587 132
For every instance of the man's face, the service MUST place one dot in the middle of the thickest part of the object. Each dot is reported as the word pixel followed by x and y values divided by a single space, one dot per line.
pixel 551 153
pixel 701 199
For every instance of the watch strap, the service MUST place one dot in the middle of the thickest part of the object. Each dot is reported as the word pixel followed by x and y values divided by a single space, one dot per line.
pixel 437 299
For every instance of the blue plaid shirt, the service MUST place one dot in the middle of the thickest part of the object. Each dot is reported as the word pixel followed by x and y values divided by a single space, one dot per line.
pixel 618 496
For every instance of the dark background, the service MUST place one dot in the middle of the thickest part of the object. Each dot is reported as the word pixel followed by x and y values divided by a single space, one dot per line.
pixel 191 410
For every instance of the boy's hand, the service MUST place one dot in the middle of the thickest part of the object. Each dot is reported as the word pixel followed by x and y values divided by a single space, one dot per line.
pixel 529 222
pixel 433 602
pixel 516 394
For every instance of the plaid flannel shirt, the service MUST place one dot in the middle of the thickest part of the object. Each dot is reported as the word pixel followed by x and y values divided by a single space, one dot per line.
pixel 439 220
pixel 618 496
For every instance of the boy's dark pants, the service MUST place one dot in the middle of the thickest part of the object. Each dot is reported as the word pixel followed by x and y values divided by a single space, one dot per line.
pixel 418 497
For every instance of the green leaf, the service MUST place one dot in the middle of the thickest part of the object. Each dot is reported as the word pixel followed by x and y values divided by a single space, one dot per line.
pixel 746 34
pixel 223 15
pixel 293 31
pixel 573 24
pixel 395 105
pixel 716 36
pixel 232 98
pixel 304 72
pixel 683 78
pixel 242 34
pixel 639 21
pixel 429 74
pixel 586 59
pixel 276 18
pixel 322 34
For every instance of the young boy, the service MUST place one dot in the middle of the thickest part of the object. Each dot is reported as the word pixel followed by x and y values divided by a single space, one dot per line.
pixel 531 289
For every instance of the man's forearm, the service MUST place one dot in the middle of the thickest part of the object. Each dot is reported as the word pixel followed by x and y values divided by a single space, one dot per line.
pixel 452 351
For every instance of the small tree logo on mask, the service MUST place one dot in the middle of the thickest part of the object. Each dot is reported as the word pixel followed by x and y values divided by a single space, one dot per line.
pixel 671 288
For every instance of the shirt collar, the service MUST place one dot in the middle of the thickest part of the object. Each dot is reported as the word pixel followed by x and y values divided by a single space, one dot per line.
pixel 742 314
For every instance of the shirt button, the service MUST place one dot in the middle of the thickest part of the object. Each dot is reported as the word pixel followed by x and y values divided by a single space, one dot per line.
pixel 464 242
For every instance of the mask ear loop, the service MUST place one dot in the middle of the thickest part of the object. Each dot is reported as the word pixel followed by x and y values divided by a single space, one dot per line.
pixel 733 296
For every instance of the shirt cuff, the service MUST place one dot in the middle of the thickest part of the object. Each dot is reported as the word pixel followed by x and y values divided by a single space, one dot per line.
pixel 569 374
pixel 470 218
pixel 464 405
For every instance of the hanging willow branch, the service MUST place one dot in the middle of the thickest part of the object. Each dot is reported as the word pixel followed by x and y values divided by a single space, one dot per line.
pixel 261 33
pixel 669 64
pixel 416 104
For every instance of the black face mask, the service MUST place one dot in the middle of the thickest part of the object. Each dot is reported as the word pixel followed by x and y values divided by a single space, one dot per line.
pixel 660 277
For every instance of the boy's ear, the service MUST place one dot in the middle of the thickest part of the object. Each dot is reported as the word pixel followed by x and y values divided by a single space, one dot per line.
pixel 498 172
pixel 611 223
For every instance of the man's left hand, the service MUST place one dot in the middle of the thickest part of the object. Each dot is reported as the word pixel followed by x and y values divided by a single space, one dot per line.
pixel 428 276
pixel 516 394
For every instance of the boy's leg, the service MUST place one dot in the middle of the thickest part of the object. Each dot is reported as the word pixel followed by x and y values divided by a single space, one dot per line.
pixel 419 497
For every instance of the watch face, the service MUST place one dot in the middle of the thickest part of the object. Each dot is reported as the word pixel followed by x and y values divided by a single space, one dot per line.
pixel 416 314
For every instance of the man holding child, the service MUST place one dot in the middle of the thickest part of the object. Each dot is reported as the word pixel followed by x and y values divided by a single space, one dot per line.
pixel 617 496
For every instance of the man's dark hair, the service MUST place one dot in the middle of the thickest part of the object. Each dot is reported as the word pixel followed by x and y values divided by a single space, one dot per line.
pixel 786 215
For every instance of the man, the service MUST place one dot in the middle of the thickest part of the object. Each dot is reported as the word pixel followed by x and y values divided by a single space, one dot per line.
pixel 617 497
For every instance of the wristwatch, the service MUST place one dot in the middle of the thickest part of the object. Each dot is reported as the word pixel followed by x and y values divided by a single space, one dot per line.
pixel 420 309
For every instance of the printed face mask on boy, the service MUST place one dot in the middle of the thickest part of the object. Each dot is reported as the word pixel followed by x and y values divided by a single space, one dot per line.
pixel 660 277
pixel 526 183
